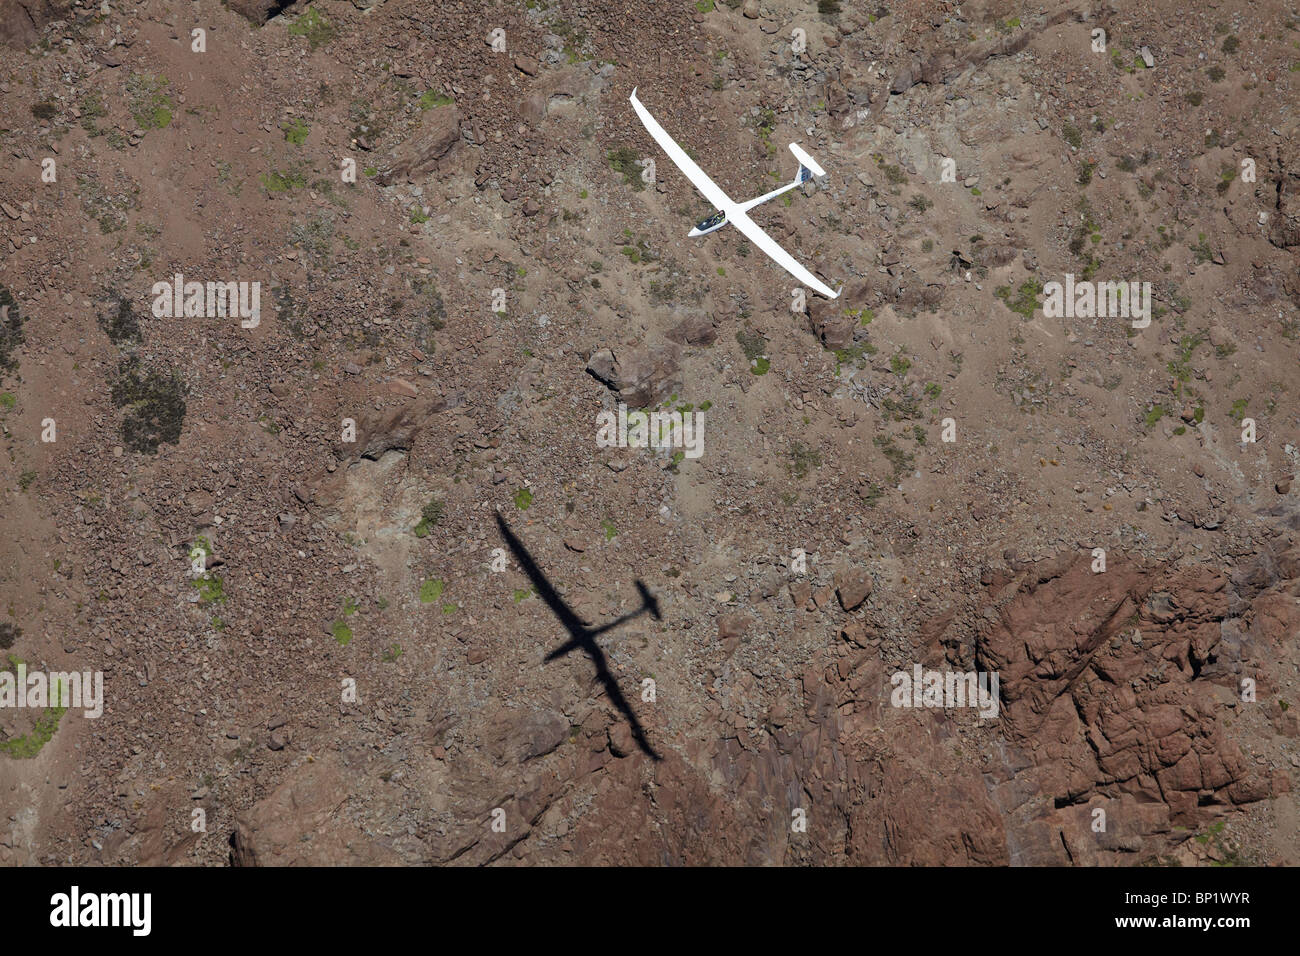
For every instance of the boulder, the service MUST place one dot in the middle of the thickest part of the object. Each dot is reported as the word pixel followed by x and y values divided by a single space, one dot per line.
pixel 429 149
pixel 256 11
pixel 310 801
pixel 643 377
pixel 22 20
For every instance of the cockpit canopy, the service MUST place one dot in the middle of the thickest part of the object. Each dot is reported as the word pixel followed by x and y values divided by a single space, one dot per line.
pixel 717 219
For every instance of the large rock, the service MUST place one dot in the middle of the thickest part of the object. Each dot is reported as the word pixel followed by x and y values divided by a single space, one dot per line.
pixel 430 148
pixel 388 429
pixel 1284 225
pixel 853 587
pixel 1116 682
pixel 304 823
pixel 21 20
pixel 642 377
pixel 257 11
pixel 520 736
pixel 696 329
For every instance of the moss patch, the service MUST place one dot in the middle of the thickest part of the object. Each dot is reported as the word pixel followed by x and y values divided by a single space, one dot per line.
pixel 313 26
pixel 151 107
pixel 120 323
pixel 11 330
pixel 296 131
pixel 154 403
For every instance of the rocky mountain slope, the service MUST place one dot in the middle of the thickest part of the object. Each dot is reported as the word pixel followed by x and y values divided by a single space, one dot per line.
pixel 356 671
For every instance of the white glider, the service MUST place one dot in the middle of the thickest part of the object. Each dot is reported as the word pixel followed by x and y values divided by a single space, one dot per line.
pixel 734 212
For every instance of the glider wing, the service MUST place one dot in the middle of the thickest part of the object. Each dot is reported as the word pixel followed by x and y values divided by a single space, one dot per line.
pixel 782 258
pixel 707 187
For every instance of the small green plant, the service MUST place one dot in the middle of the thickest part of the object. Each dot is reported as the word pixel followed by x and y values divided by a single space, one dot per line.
pixel 854 355
pixel 120 323
pixel 754 346
pixel 430 515
pixel 1072 135
pixel 802 459
pixel 610 531
pixel 280 182
pixel 30 744
pixel 295 131
pixel 1201 249
pixel 431 590
pixel 1227 173
pixel 899 459
pixel 432 99
pixel 342 633
pixel 1180 367
pixel 1025 299
pixel 92 108
pixel 624 161
pixel 211 588
pixel 151 107
pixel 523 498
pixel 314 27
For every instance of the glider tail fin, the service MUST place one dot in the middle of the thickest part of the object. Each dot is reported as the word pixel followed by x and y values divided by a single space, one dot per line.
pixel 808 167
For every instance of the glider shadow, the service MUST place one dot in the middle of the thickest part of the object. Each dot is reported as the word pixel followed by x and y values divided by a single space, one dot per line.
pixel 584 637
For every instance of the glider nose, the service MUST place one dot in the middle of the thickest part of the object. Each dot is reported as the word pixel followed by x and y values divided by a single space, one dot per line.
pixel 695 231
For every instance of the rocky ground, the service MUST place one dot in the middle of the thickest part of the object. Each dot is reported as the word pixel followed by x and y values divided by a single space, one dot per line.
pixel 355 673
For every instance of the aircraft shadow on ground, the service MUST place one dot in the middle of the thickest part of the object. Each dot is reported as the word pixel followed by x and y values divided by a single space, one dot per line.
pixel 584 637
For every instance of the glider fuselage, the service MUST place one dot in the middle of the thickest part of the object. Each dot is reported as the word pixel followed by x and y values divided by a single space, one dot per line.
pixel 719 218
pixel 711 224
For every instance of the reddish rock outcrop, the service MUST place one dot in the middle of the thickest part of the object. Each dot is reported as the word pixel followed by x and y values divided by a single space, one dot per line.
pixel 22 20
